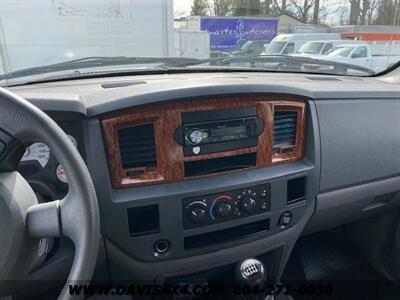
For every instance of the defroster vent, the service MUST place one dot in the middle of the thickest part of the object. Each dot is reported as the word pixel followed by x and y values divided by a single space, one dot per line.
pixel 137 146
pixel 284 129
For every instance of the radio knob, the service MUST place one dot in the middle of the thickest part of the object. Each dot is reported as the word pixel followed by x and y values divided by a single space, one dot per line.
pixel 248 204
pixel 197 214
pixel 224 210
pixel 195 136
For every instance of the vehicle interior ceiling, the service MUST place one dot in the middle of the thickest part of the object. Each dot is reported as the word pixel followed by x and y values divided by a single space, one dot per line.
pixel 194 176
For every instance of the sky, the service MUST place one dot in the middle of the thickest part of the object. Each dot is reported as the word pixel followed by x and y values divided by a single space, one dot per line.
pixel 182 7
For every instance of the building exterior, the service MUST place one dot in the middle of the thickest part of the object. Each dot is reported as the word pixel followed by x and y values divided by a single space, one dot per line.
pixel 290 24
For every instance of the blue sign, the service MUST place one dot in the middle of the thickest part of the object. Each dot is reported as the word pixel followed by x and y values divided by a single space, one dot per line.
pixel 229 33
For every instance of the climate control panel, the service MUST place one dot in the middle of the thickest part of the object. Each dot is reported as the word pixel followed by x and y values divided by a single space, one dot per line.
pixel 226 206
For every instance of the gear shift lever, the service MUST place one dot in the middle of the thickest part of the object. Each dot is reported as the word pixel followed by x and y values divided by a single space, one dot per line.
pixel 251 272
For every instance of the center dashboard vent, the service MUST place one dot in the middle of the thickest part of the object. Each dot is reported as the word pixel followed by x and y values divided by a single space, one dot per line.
pixel 137 147
pixel 285 129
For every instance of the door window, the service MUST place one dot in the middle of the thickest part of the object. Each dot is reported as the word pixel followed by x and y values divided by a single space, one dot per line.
pixel 289 48
pixel 327 47
pixel 360 52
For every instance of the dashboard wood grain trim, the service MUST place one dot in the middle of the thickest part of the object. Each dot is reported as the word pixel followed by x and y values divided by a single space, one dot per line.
pixel 170 159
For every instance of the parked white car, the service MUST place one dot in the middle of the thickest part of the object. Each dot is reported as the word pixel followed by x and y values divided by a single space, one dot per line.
pixel 287 44
pixel 321 47
pixel 360 54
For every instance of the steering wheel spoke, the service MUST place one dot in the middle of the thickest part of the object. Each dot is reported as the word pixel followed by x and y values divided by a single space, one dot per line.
pixel 43 220
pixel 58 218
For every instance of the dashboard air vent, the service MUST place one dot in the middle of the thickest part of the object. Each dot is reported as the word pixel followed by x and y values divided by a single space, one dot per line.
pixel 137 146
pixel 284 129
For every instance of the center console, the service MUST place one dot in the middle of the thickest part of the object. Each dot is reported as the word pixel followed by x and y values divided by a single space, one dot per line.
pixel 206 182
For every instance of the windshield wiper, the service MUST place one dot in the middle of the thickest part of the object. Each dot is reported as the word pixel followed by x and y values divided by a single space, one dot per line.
pixel 289 63
pixel 100 61
pixel 285 63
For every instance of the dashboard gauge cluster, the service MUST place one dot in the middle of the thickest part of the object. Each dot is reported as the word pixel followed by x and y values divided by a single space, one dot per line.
pixel 60 173
pixel 37 152
pixel 43 171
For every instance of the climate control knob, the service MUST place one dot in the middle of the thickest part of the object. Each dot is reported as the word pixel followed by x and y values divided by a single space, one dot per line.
pixel 197 214
pixel 224 210
pixel 248 204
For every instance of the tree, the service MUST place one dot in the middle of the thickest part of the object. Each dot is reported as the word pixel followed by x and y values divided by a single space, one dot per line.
pixel 284 6
pixel 388 13
pixel 368 11
pixel 354 11
pixel 302 9
pixel 366 5
pixel 279 7
pixel 200 8
pixel 343 15
pixel 316 12
pixel 266 6
pixel 223 7
pixel 247 7
pixel 371 13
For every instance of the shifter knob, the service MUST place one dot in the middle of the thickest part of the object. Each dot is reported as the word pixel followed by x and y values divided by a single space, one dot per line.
pixel 251 272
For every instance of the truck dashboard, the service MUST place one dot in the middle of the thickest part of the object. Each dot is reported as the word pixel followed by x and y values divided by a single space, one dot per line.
pixel 207 169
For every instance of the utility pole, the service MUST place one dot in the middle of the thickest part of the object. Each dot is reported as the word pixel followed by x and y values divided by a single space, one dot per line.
pixel 248 7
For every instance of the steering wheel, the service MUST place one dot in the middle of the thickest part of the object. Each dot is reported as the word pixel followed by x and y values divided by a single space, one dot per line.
pixel 23 222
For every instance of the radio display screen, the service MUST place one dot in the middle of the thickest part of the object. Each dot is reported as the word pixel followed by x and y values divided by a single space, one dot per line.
pixel 228 131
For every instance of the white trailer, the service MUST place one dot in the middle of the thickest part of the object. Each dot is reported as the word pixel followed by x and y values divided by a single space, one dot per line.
pixel 81 29
pixel 192 44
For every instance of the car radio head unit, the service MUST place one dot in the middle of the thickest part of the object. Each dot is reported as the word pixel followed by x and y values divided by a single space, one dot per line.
pixel 219 130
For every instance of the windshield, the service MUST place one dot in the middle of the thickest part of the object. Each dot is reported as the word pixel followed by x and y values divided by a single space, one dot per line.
pixel 275 48
pixel 341 51
pixel 311 48
pixel 76 38
pixel 248 45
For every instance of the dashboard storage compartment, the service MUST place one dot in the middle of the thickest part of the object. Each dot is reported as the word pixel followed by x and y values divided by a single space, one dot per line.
pixel 296 190
pixel 219 165
pixel 225 235
pixel 143 220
